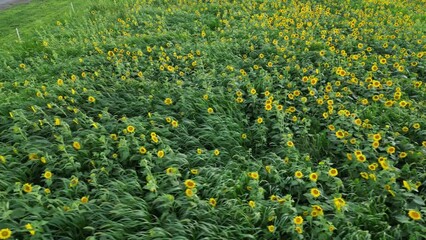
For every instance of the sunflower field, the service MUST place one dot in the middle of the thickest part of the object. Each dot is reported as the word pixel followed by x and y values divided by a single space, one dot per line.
pixel 217 119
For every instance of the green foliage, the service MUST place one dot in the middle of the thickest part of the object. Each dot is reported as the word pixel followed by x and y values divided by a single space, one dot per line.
pixel 214 120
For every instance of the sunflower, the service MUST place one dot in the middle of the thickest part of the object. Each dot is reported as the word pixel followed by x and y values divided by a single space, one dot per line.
pixel 406 185
pixel 5 233
pixel 383 163
pixel 27 188
pixel 317 211
pixel 298 174
pixel 403 103
pixel 190 184
pixel 333 172
pixel 212 202
pixel 340 134
pixel 253 175
pixel 91 99
pixel 271 228
pixel 57 121
pixel 389 103
pixel 30 228
pixel 373 166
pixel 74 182
pixel 339 203
pixel 130 129
pixel 113 136
pixel 390 150
pixel 160 154
pixel 375 144
pixel 358 122
pixel 168 101
pixel 47 175
pixel 189 192
pixel 216 152
pixel 377 137
pixel 273 198
pixel 175 123
pixel 84 200
pixel 298 220
pixel 239 100
pixel 415 215
pixel 361 158
pixel 315 192
pixel 268 168
pixel 313 177
pixel 268 107
pixel 170 170
pixel 142 150
pixel 76 145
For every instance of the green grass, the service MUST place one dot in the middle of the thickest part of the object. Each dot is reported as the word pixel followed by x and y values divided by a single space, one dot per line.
pixel 32 18
pixel 213 120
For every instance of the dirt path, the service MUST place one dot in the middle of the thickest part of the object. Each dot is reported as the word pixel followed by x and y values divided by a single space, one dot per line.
pixel 8 3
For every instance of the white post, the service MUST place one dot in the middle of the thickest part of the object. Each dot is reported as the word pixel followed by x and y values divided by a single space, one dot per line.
pixel 17 33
